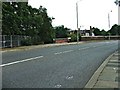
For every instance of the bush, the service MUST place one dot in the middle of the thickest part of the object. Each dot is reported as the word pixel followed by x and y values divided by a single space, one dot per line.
pixel 26 42
pixel 73 37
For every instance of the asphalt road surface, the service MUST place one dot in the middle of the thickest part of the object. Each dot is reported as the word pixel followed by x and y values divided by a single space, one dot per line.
pixel 69 66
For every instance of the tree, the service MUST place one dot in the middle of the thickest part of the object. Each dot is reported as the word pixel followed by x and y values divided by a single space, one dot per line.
pixel 117 2
pixel 115 30
pixel 13 14
pixel 96 31
pixel 61 31
pixel 103 33
pixel 73 37
pixel 21 19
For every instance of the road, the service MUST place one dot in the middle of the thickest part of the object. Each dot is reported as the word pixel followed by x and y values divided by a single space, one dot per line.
pixel 69 66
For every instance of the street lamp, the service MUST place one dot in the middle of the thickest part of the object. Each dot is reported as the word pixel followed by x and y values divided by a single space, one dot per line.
pixel 109 22
pixel 77 20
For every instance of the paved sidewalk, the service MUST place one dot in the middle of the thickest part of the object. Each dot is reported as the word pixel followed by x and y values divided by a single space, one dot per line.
pixel 108 74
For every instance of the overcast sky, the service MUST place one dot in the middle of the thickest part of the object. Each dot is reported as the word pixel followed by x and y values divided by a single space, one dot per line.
pixel 91 12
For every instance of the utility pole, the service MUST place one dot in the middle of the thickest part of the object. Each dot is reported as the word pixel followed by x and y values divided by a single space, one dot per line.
pixel 109 22
pixel 77 20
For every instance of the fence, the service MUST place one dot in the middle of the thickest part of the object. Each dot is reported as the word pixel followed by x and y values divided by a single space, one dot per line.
pixel 11 40
pixel 61 40
pixel 17 40
pixel 88 38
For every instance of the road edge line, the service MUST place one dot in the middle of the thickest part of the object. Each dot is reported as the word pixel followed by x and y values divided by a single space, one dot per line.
pixel 94 78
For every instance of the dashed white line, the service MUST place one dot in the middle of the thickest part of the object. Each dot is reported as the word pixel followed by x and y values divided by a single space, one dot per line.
pixel 58 53
pixel 25 60
pixel 84 48
pixel 58 86
pixel 63 52
pixel 67 51
pixel 94 46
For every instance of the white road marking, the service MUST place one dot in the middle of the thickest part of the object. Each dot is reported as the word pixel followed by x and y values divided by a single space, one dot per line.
pixel 69 77
pixel 58 86
pixel 84 48
pixel 94 46
pixel 25 60
pixel 63 52
pixel 58 53
pixel 67 51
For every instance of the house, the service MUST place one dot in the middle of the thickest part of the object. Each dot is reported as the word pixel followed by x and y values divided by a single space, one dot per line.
pixel 84 32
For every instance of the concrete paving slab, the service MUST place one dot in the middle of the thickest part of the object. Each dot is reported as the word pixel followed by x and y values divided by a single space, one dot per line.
pixel 114 61
pixel 118 71
pixel 114 58
pixel 102 87
pixel 106 84
pixel 108 75
pixel 113 65
pixel 95 76
pixel 112 68
pixel 117 79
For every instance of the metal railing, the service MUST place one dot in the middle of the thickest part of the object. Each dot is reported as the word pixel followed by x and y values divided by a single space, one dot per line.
pixel 10 40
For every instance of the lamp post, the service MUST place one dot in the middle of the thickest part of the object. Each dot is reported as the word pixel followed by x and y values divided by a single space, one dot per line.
pixel 109 22
pixel 77 20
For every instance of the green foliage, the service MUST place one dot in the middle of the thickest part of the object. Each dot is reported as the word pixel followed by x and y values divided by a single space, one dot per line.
pixel 26 42
pixel 117 2
pixel 103 33
pixel 73 37
pixel 96 31
pixel 21 19
pixel 61 31
pixel 115 30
